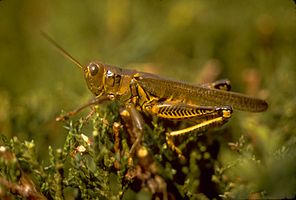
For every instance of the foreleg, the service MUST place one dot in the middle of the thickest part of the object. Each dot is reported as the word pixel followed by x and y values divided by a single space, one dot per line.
pixel 94 101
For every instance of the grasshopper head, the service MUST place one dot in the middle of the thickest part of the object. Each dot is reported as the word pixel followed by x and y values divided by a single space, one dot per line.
pixel 94 76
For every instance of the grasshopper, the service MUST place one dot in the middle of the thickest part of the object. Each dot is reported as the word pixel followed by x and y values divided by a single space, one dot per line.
pixel 208 105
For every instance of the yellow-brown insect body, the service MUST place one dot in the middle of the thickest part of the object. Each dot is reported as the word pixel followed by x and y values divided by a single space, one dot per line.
pixel 208 105
pixel 103 79
pixel 94 76
pixel 198 95
pixel 125 84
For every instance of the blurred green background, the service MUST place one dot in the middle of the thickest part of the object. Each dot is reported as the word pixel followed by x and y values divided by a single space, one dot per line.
pixel 252 43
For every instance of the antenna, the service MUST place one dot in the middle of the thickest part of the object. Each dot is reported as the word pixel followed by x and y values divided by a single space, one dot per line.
pixel 61 50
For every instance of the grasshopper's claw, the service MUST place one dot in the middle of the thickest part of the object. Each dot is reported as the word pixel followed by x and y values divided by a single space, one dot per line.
pixel 61 118
pixel 173 147
pixel 65 116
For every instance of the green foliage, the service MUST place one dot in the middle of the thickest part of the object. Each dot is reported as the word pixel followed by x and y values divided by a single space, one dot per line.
pixel 263 161
pixel 83 166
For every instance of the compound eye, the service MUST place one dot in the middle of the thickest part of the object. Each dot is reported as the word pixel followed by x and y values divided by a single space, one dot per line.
pixel 93 69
